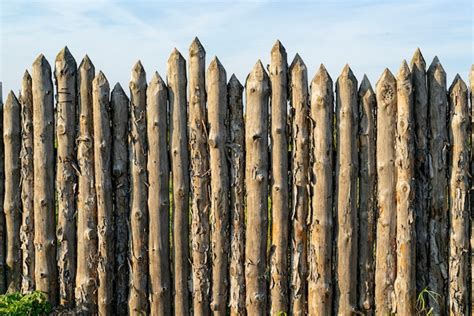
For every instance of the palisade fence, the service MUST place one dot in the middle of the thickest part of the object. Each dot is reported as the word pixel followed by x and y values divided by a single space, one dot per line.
pixel 314 198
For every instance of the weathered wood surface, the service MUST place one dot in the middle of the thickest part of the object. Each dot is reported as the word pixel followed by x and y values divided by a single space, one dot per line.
pixel 3 243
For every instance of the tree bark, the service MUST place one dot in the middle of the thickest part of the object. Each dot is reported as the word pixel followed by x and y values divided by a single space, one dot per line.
pixel 159 202
pixel 385 263
pixel 471 79
pixel 256 182
pixel 458 199
pixel 180 169
pixel 44 211
pixel 27 186
pixel 138 299
pixel 12 201
pixel 405 285
pixel 321 219
pixel 3 281
pixel 279 185
pixel 200 191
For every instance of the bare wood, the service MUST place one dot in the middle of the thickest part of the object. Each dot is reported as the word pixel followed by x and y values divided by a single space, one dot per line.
pixel 458 299
pixel 66 98
pixel 138 299
pixel 256 181
pixel 200 191
pixel 385 263
pixel 471 80
pixel 179 167
pixel 236 146
pixel 103 188
pixel 346 193
pixel 27 186
pixel 405 285
pixel 44 211
pixel 279 185
pixel 3 281
pixel 12 200
pixel 320 282
pixel 158 202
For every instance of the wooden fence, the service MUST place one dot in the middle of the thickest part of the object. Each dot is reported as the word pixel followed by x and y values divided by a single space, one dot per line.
pixel 313 198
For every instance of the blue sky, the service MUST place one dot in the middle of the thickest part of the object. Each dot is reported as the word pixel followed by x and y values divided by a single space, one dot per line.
pixel 369 35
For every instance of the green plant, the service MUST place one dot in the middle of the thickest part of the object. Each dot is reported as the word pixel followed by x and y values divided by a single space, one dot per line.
pixel 421 302
pixel 17 304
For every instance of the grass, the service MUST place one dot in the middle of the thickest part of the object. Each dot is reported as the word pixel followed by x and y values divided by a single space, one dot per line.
pixel 421 302
pixel 17 304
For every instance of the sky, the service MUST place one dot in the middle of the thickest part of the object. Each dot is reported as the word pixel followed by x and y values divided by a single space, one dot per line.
pixel 369 35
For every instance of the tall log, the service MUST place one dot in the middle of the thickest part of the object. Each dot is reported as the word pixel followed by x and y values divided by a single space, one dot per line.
pixel 103 188
pixel 12 201
pixel 405 285
pixel 159 202
pixel 471 80
pixel 217 106
pixel 200 192
pixel 3 281
pixel 279 185
pixel 346 192
pixel 179 167
pixel 458 299
pixel 256 181
pixel 385 263
pixel 300 194
pixel 44 211
pixel 236 145
pixel 367 197
pixel 66 98
pixel 87 247
pixel 320 280
pixel 438 208
pixel 27 183
pixel 121 187
pixel 138 299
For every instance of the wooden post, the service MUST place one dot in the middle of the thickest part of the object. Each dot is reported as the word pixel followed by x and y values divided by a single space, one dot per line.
pixel 27 186
pixel 279 186
pixel 438 210
pixel 236 145
pixel 256 182
pixel 138 299
pixel 159 201
pixel 458 299
pixel 44 211
pixel 320 280
pixel 3 281
pixel 367 197
pixel 12 202
pixel 471 80
pixel 86 276
pixel 405 285
pixel 179 167
pixel 200 191
pixel 385 263
pixel 300 194
pixel 346 193
pixel 66 102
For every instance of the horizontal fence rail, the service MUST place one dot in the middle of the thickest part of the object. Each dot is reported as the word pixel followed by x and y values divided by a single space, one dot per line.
pixel 196 194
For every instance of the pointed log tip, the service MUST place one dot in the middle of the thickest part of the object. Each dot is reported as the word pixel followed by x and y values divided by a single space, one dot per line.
pixel 418 58
pixel 66 56
pixel 118 88
pixel 215 63
pixel 175 54
pixel 436 65
pixel 278 47
pixel 86 63
pixel 234 82
pixel 347 72
pixel 11 99
pixel 100 79
pixel 297 63
pixel 321 73
pixel 458 84
pixel 138 67
pixel 365 85
pixel 26 75
pixel 196 46
pixel 41 60
pixel 404 70
pixel 156 79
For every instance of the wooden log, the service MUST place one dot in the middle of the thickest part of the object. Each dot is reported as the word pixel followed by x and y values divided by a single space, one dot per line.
pixel 256 181
pixel 138 299
pixel 119 105
pixel 159 202
pixel 200 191
pixel 346 193
pixel 12 201
pixel 236 145
pixel 471 80
pixel 46 275
pixel 385 263
pixel 367 197
pixel 438 208
pixel 66 103
pixel 405 285
pixel 320 281
pixel 458 299
pixel 3 281
pixel 179 155
pixel 87 247
pixel 279 185
pixel 27 186
pixel 300 182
